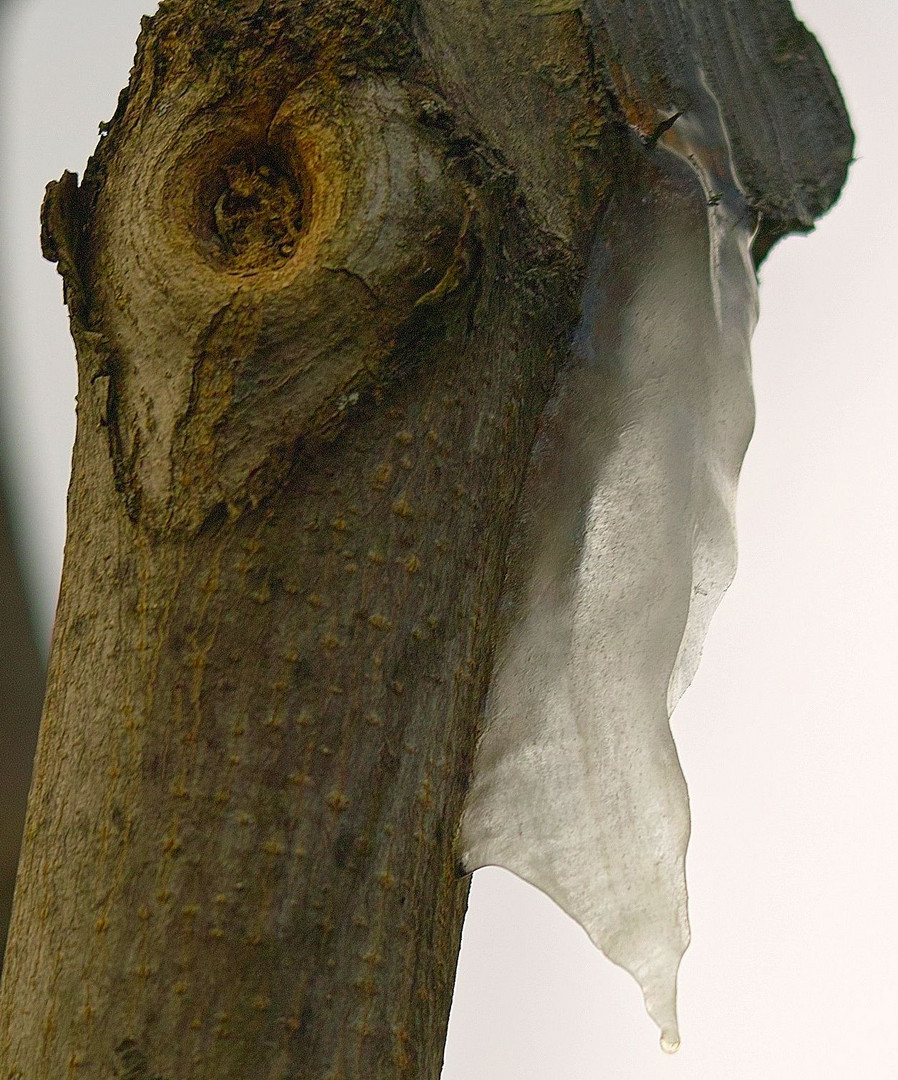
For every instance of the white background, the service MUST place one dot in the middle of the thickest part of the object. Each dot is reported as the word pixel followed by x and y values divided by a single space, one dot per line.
pixel 788 737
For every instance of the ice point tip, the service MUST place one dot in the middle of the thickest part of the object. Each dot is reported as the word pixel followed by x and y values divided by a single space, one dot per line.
pixel 670 1042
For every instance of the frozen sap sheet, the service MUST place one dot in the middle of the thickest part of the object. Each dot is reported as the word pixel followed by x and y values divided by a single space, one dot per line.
pixel 624 546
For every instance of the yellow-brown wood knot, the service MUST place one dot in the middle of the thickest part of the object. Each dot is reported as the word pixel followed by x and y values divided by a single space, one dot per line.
pixel 260 265
pixel 257 217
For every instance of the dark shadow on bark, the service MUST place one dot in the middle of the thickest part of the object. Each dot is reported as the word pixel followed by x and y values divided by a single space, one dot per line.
pixel 22 680
pixel 21 694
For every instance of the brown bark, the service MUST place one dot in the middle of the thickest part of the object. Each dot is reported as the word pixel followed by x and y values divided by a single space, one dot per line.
pixel 321 272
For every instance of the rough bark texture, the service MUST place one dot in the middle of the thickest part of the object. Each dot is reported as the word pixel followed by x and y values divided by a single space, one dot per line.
pixel 321 272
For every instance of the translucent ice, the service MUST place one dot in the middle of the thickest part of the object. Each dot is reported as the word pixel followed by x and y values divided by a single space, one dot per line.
pixel 624 547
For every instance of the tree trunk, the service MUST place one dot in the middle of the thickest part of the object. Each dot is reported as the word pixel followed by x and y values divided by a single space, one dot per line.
pixel 322 270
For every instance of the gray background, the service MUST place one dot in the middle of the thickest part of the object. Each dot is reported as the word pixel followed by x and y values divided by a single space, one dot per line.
pixel 788 736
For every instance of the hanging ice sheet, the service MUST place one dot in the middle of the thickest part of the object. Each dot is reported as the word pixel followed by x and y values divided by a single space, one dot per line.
pixel 624 547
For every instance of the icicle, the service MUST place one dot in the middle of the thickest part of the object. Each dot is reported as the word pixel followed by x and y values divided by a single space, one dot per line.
pixel 625 545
